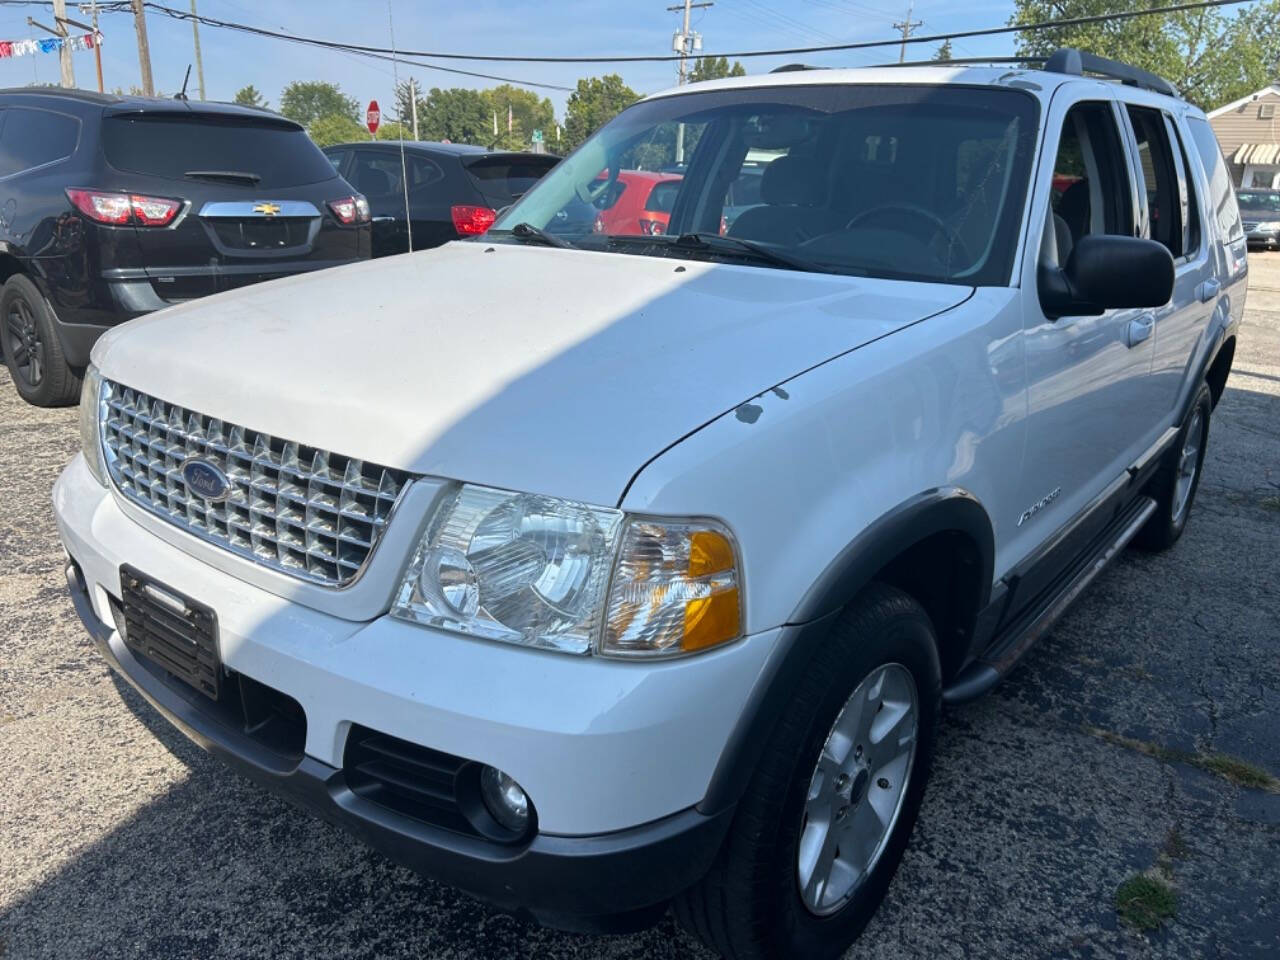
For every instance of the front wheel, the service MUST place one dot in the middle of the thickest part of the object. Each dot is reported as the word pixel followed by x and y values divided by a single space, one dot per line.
pixel 823 824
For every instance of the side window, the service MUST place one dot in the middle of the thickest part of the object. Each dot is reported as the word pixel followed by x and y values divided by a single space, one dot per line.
pixel 1092 193
pixel 1222 197
pixel 337 158
pixel 32 138
pixel 1166 199
pixel 375 174
pixel 422 173
pixel 1190 206
pixel 662 199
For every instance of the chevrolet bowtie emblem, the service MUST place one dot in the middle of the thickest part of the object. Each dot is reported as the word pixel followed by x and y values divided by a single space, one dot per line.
pixel 266 209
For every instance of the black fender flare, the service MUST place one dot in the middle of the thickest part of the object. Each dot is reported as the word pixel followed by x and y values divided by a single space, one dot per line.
pixel 934 511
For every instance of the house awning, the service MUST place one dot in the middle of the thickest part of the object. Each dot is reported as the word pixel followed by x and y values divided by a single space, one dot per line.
pixel 1267 154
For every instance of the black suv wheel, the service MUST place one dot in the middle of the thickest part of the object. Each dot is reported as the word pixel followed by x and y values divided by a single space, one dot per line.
pixel 31 348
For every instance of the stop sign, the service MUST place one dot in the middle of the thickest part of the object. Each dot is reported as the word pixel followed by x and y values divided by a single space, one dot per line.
pixel 373 116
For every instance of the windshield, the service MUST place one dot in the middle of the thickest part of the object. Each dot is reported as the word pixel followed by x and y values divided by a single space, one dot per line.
pixel 899 181
pixel 272 154
pixel 1259 202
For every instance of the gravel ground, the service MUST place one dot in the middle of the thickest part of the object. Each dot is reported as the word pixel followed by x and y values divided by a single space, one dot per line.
pixel 118 838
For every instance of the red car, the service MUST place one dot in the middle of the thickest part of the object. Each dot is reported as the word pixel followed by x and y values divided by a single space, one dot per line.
pixel 638 202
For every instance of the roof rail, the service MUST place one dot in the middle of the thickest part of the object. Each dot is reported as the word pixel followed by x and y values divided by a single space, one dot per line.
pixel 793 67
pixel 1077 63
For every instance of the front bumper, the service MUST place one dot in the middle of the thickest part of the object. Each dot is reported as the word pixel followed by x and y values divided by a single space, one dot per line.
pixel 1258 238
pixel 615 756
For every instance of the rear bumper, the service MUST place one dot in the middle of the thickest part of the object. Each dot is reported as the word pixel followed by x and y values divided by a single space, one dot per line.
pixel 613 882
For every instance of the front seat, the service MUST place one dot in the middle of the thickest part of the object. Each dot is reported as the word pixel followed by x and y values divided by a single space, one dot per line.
pixel 794 191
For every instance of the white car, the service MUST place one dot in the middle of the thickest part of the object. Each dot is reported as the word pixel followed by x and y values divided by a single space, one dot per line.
pixel 594 573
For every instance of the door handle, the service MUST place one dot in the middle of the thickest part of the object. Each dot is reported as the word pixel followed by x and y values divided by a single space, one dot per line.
pixel 1208 290
pixel 383 219
pixel 1139 330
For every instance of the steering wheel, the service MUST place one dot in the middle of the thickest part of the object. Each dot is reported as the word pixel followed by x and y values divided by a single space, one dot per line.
pixel 939 225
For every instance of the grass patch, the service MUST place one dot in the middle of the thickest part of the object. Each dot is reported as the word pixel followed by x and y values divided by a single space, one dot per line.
pixel 1145 901
pixel 1229 768
pixel 1270 503
pixel 1175 848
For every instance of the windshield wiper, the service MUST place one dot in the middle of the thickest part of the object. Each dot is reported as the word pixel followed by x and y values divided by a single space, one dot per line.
pixel 716 242
pixel 250 178
pixel 528 233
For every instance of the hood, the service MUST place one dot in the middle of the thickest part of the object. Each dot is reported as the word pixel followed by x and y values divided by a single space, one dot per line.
pixel 542 370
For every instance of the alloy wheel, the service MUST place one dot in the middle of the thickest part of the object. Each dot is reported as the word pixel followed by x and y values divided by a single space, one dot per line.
pixel 1188 464
pixel 857 788
pixel 23 344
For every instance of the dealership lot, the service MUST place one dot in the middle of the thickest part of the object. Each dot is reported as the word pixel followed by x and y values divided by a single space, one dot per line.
pixel 120 839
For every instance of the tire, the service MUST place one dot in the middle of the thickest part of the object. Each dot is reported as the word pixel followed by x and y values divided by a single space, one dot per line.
pixel 1174 499
pixel 31 348
pixel 750 905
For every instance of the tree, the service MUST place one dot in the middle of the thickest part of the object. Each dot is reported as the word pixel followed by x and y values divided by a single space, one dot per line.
pixel 595 102
pixel 714 68
pixel 250 97
pixel 307 101
pixel 393 131
pixel 457 114
pixel 525 109
pixel 336 128
pixel 1211 56
pixel 943 53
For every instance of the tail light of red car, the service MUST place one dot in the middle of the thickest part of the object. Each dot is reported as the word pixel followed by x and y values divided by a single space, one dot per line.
pixel 470 220
pixel 124 209
pixel 652 228
pixel 349 210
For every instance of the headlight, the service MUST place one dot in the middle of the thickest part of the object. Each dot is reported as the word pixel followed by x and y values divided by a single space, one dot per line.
pixel 535 570
pixel 90 408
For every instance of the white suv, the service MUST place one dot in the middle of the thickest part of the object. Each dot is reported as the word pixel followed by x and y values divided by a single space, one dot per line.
pixel 592 571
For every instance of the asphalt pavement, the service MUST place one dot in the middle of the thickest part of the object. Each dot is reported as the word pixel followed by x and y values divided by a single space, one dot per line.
pixel 1125 745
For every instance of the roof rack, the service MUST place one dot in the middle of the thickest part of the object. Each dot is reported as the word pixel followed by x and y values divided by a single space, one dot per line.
pixel 1077 63
pixel 793 67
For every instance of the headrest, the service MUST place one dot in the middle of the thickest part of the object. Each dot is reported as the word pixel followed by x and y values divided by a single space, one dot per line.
pixel 793 180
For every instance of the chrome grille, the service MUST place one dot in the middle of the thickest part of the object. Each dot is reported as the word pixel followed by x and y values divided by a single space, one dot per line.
pixel 310 513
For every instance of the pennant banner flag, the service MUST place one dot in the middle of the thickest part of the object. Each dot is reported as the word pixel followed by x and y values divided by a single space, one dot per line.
pixel 20 48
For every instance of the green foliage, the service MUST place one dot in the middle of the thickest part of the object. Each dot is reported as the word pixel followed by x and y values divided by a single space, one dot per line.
pixel 249 97
pixel 943 53
pixel 528 112
pixel 595 102
pixel 1211 56
pixel 1145 901
pixel 714 68
pixel 309 101
pixel 393 131
pixel 457 114
pixel 336 128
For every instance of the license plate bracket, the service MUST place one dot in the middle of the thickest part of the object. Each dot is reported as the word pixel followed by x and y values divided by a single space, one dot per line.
pixel 171 630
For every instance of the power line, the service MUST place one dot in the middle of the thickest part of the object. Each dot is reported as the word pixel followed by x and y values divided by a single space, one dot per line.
pixel 741 54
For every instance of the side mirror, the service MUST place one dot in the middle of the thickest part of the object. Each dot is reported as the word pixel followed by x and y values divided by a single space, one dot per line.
pixel 1107 273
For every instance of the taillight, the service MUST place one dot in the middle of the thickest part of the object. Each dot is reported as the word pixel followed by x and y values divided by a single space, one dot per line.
pixel 651 228
pixel 471 221
pixel 349 210
pixel 598 226
pixel 123 209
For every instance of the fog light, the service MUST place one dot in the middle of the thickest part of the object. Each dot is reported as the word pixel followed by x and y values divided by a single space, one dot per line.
pixel 505 799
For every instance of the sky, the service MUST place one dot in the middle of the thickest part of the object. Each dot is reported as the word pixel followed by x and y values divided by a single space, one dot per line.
pixel 557 27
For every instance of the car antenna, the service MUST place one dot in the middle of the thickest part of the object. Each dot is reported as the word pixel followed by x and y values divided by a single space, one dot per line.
pixel 182 94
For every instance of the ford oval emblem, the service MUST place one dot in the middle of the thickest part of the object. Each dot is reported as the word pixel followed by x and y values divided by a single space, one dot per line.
pixel 205 480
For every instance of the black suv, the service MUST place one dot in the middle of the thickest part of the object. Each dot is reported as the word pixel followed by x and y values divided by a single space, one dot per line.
pixel 111 207
pixel 455 190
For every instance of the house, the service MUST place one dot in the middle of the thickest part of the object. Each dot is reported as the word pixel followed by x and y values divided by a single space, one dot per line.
pixel 1249 131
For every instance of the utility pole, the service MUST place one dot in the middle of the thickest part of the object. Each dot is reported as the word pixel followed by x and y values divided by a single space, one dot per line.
pixel 907 27
pixel 68 71
pixel 97 47
pixel 685 43
pixel 144 50
pixel 413 105
pixel 195 30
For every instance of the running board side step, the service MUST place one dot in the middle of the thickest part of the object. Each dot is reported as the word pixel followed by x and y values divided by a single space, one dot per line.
pixel 1016 639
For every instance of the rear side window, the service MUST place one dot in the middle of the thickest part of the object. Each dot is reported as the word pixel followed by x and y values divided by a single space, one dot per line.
pixel 1166 195
pixel 32 138
pixel 380 175
pixel 172 145
pixel 663 196
pixel 1222 196
pixel 503 180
